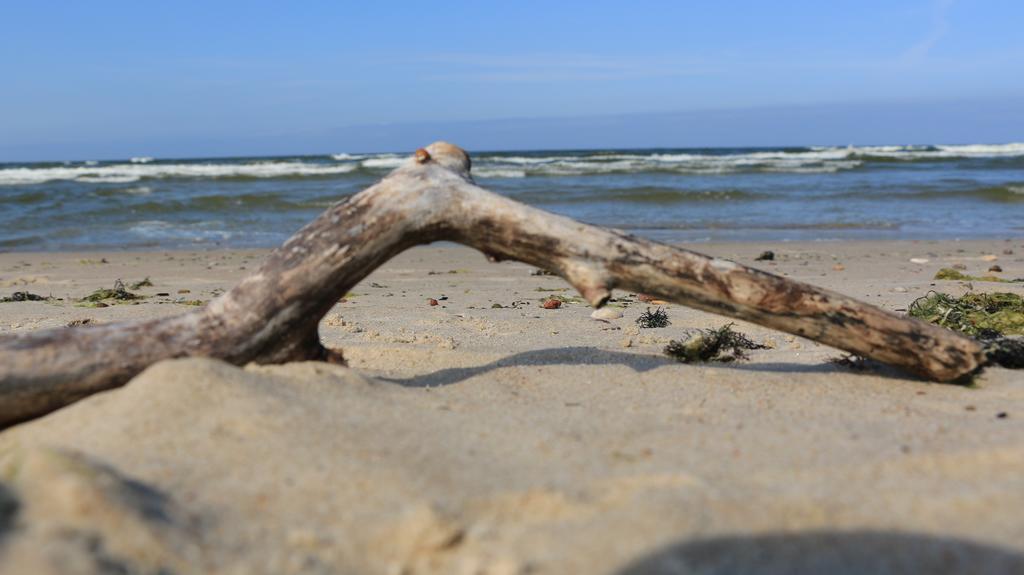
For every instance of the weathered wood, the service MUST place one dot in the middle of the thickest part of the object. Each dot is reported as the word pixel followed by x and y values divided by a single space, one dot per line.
pixel 272 315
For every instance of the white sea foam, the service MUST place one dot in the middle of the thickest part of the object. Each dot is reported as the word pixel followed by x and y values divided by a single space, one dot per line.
pixel 124 173
pixel 938 151
pixel 108 179
pixel 198 232
pixel 486 172
pixel 388 161
pixel 824 159
pixel 984 150
pixel 141 160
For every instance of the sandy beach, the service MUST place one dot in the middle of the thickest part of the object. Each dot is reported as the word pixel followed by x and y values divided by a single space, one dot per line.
pixel 489 435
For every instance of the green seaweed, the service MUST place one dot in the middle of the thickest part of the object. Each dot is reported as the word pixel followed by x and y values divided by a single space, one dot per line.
pixel 975 314
pixel 141 284
pixel 722 345
pixel 989 317
pixel 118 294
pixel 952 274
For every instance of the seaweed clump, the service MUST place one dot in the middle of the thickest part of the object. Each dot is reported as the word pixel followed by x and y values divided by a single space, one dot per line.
pixel 23 296
pixel 989 317
pixel 652 319
pixel 117 293
pixel 723 345
pixel 952 274
pixel 976 314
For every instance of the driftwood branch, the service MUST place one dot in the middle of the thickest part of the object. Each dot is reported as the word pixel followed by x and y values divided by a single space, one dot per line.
pixel 272 315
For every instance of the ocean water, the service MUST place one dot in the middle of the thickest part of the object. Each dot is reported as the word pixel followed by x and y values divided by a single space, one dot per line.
pixel 693 195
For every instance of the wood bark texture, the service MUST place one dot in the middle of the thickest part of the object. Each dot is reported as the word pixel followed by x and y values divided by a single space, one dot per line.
pixel 272 315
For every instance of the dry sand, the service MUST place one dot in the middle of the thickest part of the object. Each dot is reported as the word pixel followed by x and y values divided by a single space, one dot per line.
pixel 468 438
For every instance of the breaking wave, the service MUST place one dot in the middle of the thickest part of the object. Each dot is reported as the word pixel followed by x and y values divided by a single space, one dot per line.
pixel 126 173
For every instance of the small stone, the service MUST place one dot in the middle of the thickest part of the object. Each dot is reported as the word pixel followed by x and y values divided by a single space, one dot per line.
pixel 606 314
pixel 899 289
pixel 552 304
pixel 838 267
pixel 989 258
pixel 432 301
pixel 766 256
pixel 996 269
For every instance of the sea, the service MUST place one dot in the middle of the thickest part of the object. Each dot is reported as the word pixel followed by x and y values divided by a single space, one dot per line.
pixel 826 193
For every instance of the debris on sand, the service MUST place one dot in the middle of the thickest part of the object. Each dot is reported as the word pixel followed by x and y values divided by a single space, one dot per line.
pixel 552 303
pixel 606 314
pixel 23 296
pixel 118 294
pixel 974 314
pixel 952 274
pixel 653 319
pixel 852 362
pixel 989 317
pixel 766 256
pixel 141 284
pixel 721 345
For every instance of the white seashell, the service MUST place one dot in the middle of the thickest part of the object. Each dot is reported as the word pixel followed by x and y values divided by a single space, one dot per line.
pixel 918 260
pixel 606 313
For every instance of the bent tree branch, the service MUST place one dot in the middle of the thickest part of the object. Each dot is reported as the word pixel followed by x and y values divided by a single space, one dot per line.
pixel 273 314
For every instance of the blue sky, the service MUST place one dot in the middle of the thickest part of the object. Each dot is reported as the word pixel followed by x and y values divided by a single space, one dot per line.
pixel 114 79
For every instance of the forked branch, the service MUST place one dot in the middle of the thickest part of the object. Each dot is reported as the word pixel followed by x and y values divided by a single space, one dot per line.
pixel 272 315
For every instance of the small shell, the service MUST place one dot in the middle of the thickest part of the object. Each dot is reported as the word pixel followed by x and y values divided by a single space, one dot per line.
pixel 918 260
pixel 606 314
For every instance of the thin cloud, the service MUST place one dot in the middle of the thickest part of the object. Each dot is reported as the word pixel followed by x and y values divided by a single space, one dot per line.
pixel 939 28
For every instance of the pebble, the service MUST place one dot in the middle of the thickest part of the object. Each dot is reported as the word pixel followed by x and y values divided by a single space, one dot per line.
pixel 989 258
pixel 995 269
pixel 899 289
pixel 552 304
pixel 839 267
pixel 606 313
pixel 432 301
